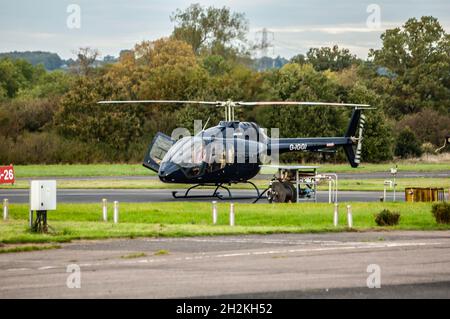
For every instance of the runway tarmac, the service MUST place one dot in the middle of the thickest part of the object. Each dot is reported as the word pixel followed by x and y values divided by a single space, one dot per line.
pixel 331 265
pixel 164 195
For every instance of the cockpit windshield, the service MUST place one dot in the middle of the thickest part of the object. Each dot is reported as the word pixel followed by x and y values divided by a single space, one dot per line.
pixel 187 152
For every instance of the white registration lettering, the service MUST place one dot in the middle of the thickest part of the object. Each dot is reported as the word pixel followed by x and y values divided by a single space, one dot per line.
pixel 298 147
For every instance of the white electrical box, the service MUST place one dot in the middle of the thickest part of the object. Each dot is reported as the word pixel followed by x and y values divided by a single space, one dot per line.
pixel 43 195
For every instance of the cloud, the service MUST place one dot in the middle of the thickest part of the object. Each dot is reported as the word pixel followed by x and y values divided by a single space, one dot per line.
pixel 332 29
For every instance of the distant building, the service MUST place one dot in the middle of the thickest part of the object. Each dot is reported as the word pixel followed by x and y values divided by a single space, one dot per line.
pixel 267 63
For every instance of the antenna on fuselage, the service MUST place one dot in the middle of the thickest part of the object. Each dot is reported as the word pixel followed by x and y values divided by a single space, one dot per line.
pixel 206 123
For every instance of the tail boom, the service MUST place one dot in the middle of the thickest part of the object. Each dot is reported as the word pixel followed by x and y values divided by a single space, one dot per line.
pixel 351 142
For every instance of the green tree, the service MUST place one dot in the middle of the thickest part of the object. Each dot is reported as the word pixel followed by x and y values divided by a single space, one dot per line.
pixel 327 58
pixel 213 29
pixel 50 61
pixel 302 83
pixel 407 144
pixel 429 126
pixel 418 55
pixel 16 75
pixel 299 59
pixel 216 65
pixel 49 85
pixel 11 77
pixel 80 117
pixel 378 142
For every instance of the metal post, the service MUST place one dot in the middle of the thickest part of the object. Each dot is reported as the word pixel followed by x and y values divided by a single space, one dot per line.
pixel 335 184
pixel 329 191
pixel 349 216
pixel 231 214
pixel 297 185
pixel 336 194
pixel 315 185
pixel 214 212
pixel 5 209
pixel 336 215
pixel 105 209
pixel 394 171
pixel 384 193
pixel 394 188
pixel 116 212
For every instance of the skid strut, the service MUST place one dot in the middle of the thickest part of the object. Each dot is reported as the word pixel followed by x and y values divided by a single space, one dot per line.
pixel 218 195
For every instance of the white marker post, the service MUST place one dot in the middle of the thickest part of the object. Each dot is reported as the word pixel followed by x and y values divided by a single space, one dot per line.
pixel 349 216
pixel 5 209
pixel 231 214
pixel 116 212
pixel 329 191
pixel 105 209
pixel 336 215
pixel 214 212
pixel 395 184
pixel 394 171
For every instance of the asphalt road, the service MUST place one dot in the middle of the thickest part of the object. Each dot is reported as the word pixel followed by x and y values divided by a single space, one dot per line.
pixel 164 195
pixel 332 265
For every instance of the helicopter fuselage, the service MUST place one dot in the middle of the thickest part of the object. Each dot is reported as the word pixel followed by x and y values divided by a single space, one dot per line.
pixel 215 155
pixel 233 151
pixel 230 152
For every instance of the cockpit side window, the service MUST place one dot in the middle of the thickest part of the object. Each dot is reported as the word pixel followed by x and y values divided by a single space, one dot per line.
pixel 216 155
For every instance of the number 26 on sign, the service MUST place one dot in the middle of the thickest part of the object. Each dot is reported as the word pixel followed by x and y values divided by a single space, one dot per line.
pixel 7 174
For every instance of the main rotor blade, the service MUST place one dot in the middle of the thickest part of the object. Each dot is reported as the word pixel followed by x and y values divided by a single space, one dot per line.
pixel 161 102
pixel 301 103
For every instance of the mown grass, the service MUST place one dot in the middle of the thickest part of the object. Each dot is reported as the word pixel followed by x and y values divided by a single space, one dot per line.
pixel 79 170
pixel 25 248
pixel 373 168
pixel 344 185
pixel 134 255
pixel 83 221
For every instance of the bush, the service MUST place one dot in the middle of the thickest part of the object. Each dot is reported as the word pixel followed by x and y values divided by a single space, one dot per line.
pixel 387 218
pixel 441 212
pixel 407 144
pixel 428 125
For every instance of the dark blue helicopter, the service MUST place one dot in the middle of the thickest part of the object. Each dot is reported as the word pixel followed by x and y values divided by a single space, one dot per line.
pixel 233 151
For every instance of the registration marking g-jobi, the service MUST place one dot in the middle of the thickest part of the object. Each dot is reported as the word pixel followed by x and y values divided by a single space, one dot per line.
pixel 298 146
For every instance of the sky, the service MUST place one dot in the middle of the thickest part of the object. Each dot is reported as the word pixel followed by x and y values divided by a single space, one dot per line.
pixel 294 25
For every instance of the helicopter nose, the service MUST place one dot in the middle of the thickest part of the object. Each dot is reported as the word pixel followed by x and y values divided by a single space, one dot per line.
pixel 166 170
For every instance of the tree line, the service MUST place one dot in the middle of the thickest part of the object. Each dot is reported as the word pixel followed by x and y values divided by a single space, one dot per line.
pixel 53 117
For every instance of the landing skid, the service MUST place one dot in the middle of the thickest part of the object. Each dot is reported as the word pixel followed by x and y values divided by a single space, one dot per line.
pixel 218 195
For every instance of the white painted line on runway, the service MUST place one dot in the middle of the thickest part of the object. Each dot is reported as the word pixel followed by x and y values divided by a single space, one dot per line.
pixel 359 246
pixel 250 240
pixel 47 267
pixel 353 247
pixel 18 269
